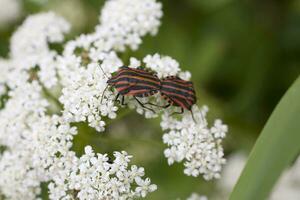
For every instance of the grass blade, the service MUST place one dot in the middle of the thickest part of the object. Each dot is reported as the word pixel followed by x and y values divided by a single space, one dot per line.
pixel 277 146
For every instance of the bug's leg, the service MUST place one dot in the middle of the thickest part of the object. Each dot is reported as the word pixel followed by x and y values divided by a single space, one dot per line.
pixel 123 101
pixel 164 106
pixel 194 117
pixel 182 110
pixel 143 105
pixel 167 106
pixel 152 104
pixel 117 98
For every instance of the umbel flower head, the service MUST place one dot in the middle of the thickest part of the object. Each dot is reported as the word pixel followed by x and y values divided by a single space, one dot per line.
pixel 196 143
pixel 36 144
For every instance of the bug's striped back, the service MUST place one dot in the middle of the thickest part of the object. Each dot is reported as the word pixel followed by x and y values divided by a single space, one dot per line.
pixel 135 82
pixel 178 92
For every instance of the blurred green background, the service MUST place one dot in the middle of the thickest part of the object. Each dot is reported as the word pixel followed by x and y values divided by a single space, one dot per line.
pixel 243 56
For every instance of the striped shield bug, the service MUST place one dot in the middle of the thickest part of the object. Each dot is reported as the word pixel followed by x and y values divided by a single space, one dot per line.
pixel 136 83
pixel 179 93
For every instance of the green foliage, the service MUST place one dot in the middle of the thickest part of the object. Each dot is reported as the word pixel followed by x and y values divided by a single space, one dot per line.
pixel 275 149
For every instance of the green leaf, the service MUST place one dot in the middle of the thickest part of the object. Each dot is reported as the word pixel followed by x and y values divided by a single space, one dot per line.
pixel 276 148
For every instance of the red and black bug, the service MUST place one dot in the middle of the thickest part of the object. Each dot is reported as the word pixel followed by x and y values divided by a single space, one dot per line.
pixel 178 93
pixel 136 83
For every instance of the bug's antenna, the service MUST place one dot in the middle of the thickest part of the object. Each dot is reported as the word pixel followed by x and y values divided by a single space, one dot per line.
pixel 103 72
pixel 107 84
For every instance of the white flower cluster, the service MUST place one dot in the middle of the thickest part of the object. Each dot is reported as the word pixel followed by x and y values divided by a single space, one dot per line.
pixel 19 179
pixel 194 142
pixel 10 11
pixel 32 38
pixel 37 147
pixel 287 186
pixel 122 23
pixel 29 48
pixel 128 21
pixel 37 144
pixel 93 176
pixel 40 152
pixel 84 88
pixel 163 65
pixel 189 140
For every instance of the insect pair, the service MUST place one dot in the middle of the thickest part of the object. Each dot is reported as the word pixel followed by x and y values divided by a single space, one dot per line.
pixel 142 83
